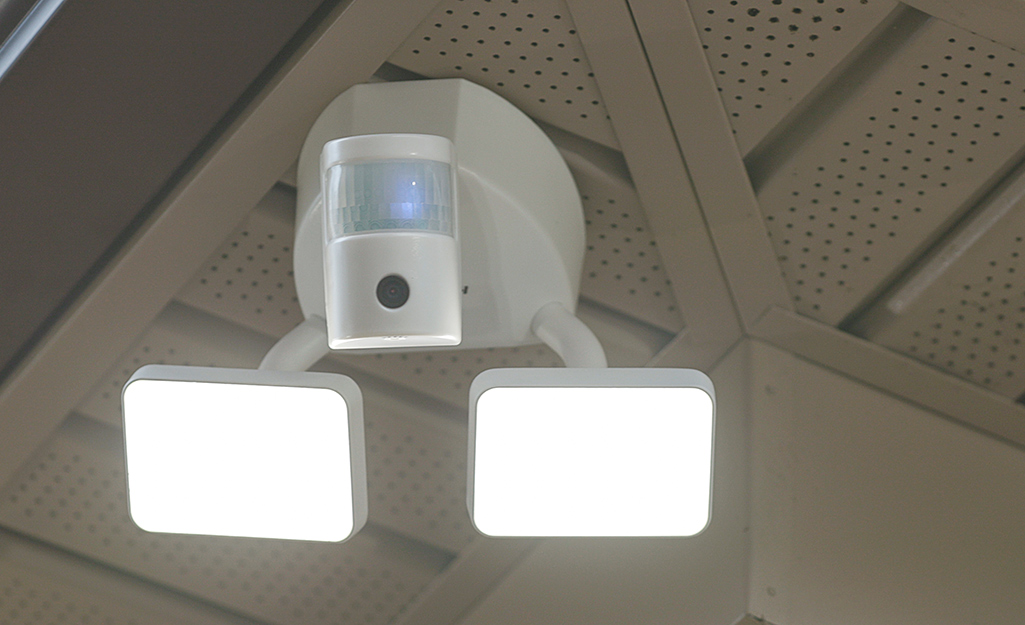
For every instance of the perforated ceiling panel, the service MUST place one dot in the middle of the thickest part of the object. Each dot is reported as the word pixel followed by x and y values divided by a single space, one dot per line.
pixel 527 52
pixel 179 336
pixel 893 166
pixel 27 598
pixel 622 267
pixel 971 320
pixel 73 495
pixel 767 56
pixel 249 279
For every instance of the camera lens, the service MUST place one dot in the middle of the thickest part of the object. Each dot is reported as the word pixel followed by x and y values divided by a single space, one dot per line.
pixel 392 291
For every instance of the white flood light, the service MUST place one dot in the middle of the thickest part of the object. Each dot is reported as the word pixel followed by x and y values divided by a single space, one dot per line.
pixel 590 452
pixel 235 452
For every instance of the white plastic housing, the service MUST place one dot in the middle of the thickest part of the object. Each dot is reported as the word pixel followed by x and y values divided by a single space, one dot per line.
pixel 355 265
pixel 520 225
pixel 590 452
pixel 236 452
pixel 390 211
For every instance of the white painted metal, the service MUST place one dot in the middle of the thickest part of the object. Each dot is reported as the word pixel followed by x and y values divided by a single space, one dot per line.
pixel 73 495
pixel 44 584
pixel 962 310
pixel 653 156
pixel 767 57
pixel 867 509
pixel 623 268
pixel 248 280
pixel 28 597
pixel 716 168
pixel 998 20
pixel 527 52
pixel 895 164
pixel 884 369
pixel 179 336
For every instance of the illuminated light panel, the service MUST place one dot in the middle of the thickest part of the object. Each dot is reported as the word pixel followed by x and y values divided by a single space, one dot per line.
pixel 591 452
pixel 235 452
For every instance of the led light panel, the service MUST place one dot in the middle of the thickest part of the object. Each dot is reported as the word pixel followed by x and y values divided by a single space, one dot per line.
pixel 591 452
pixel 236 452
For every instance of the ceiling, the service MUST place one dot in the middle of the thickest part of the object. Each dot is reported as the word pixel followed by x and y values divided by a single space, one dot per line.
pixel 840 181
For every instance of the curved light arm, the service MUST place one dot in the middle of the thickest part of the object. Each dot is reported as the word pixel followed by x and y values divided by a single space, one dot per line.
pixel 298 350
pixel 568 336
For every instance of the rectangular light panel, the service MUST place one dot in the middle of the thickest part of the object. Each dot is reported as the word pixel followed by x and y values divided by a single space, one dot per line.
pixel 591 452
pixel 236 452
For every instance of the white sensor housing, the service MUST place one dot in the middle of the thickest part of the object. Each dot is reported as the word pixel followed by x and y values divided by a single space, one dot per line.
pixel 520 230
pixel 391 251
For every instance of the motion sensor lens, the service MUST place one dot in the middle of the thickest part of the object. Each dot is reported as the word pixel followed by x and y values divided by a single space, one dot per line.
pixel 392 291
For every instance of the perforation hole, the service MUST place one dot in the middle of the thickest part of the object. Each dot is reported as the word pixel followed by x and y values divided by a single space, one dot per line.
pixel 767 58
pixel 272 580
pixel 530 53
pixel 892 167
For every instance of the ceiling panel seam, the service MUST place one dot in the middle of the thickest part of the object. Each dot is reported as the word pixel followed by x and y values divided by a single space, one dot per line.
pixel 1000 21
pixel 612 44
pixel 862 318
pixel 180 235
pixel 906 378
pixel 780 144
pixel 705 139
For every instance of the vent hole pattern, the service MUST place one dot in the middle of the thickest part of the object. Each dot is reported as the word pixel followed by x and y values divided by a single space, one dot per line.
pixel 767 56
pixel 73 495
pixel 893 167
pixel 249 279
pixel 28 599
pixel 977 332
pixel 416 478
pixel 527 52
pixel 447 375
pixel 165 346
pixel 622 267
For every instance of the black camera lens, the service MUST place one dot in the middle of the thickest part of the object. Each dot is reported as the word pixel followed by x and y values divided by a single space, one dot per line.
pixel 392 291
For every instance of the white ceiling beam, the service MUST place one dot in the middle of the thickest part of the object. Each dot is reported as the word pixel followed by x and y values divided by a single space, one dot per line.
pixel 247 160
pixel 705 137
pixel 649 146
pixel 889 371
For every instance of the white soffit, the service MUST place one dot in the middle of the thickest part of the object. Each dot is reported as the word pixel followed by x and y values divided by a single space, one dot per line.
pixel 527 52
pixel 29 597
pixel 249 278
pixel 179 336
pixel 72 494
pixel 867 509
pixel 970 319
pixel 622 266
pixel 892 166
pixel 767 57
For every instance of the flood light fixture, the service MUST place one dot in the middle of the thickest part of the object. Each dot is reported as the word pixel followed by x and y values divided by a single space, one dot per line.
pixel 236 452
pixel 590 452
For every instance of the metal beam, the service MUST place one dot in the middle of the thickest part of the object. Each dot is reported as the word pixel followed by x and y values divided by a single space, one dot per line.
pixel 909 379
pixel 705 138
pixel 663 183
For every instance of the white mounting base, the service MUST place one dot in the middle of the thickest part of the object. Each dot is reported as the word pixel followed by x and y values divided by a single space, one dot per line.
pixel 521 224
